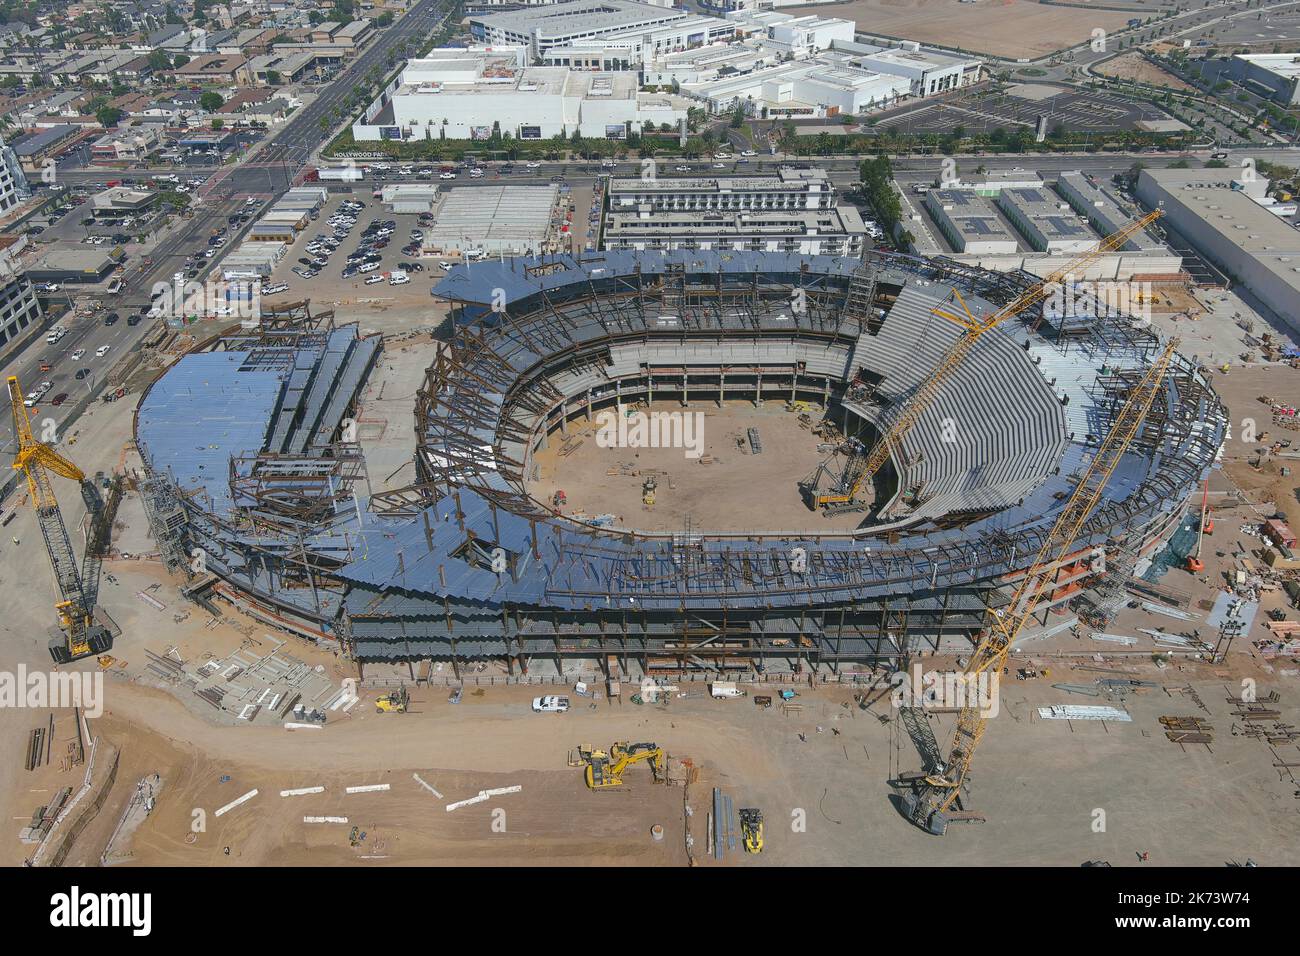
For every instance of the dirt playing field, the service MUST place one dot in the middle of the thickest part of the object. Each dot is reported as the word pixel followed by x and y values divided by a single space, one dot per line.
pixel 1011 29
pixel 726 488
pixel 1133 66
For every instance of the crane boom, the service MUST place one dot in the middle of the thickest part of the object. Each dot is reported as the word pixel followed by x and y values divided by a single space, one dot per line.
pixel 922 398
pixel 80 634
pixel 940 790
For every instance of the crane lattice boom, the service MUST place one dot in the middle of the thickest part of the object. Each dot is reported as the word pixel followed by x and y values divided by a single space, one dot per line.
pixel 920 400
pixel 940 790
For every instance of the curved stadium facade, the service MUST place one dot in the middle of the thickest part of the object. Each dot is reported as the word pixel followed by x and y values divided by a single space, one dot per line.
pixel 464 565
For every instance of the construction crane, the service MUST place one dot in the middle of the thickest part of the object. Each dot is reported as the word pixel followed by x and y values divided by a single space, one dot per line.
pixel 78 633
pixel 605 770
pixel 930 803
pixel 859 474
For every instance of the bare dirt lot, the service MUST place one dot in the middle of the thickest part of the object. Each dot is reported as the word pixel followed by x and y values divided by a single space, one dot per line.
pixel 1132 66
pixel 1006 28
pixel 820 776
pixel 735 490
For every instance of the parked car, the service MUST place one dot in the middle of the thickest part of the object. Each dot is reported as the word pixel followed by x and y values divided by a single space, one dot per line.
pixel 550 704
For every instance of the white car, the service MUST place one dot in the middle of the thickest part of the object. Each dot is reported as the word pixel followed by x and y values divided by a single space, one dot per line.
pixel 31 399
pixel 550 704
pixel 398 280
pixel 682 169
pixel 748 152
pixel 368 267
pixel 76 356
pixel 102 351
pixel 444 266
pixel 719 165
pixel 371 280
pixel 532 165
pixel 446 175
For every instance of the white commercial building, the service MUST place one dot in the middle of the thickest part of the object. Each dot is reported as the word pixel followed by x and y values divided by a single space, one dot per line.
pixel 1212 210
pixel 631 48
pixel 807 89
pixel 1046 220
pixel 792 211
pixel 540 28
pixel 969 222
pixel 20 313
pixel 805 66
pixel 13 183
pixel 472 94
pixel 789 188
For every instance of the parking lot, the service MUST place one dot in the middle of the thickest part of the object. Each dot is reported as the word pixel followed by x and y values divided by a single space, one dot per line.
pixel 371 290
pixel 1019 108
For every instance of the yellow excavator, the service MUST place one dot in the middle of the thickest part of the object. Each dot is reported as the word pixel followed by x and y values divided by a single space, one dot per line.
pixel 605 769
pixel 78 634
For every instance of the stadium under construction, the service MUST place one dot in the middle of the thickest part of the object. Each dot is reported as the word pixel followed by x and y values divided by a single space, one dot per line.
pixel 257 488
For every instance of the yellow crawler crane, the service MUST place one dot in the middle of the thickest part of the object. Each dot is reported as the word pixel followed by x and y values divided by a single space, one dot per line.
pixel 862 473
pixel 930 804
pixel 79 634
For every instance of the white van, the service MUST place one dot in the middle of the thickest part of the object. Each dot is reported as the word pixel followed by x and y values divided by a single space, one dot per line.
pixel 725 689
pixel 114 285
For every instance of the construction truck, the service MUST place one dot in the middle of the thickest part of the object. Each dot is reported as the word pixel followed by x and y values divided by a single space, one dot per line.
pixel 79 634
pixel 604 770
pixel 394 703
pixel 648 488
pixel 751 828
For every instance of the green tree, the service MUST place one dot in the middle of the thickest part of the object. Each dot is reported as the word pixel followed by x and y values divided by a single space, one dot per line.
pixel 108 116
pixel 211 101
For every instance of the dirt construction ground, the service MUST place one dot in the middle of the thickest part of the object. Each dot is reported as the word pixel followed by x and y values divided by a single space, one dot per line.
pixel 1011 29
pixel 726 488
pixel 819 776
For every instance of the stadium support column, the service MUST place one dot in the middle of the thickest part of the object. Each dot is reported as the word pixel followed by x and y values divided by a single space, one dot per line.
pixel 758 389
pixel 505 637
pixel 722 385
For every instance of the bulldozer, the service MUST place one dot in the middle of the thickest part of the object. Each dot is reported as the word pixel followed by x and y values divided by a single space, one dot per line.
pixel 394 703
pixel 751 828
pixel 604 770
